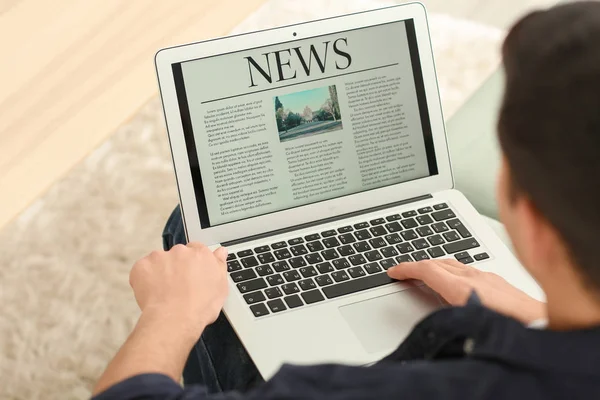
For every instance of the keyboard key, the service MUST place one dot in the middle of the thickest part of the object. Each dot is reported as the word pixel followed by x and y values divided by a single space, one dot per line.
pixel 481 256
pixel 254 297
pixel 389 252
pixel 244 253
pixel 363 235
pixel 347 238
pixel 357 259
pixel 295 241
pixel 420 255
pixel 278 245
pixel 298 262
pixel 299 250
pixel 315 246
pixel 282 254
pixel 361 225
pixel 394 238
pixel 408 214
pixel 291 276
pixel 328 233
pixel 231 256
pixel 340 263
pixel 456 224
pixel 280 266
pixel 325 268
pixel 357 285
pixel 265 258
pixel 290 288
pixel 310 238
pixel 440 227
pixel 424 231
pixel 420 244
pixel 276 305
pixel 378 230
pixel 344 229
pixel 244 275
pixel 436 252
pixel 323 280
pixel 233 266
pixel 262 249
pixel 356 272
pixel 393 227
pixel 249 262
pixel 312 296
pixel 405 248
pixel 394 217
pixel 313 258
pixel 259 310
pixel 409 223
pixel 404 258
pixel 274 280
pixel 331 242
pixel 440 206
pixel 435 240
pixel 307 272
pixel 409 235
pixel 377 242
pixel 467 260
pixel 293 301
pixel 330 254
pixel 372 268
pixel 251 286
pixel 443 214
pixel 387 263
pixel 264 270
pixel 424 210
pixel 377 221
pixel 307 284
pixel 462 254
pixel 374 255
pixel 460 245
pixel 346 250
pixel 340 276
pixel 451 236
pixel 273 293
pixel 424 219
pixel 361 247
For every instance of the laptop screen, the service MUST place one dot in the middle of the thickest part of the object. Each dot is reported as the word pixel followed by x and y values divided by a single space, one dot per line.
pixel 277 127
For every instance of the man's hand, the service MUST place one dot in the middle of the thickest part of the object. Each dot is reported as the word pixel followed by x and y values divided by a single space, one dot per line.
pixel 455 281
pixel 186 281
pixel 179 292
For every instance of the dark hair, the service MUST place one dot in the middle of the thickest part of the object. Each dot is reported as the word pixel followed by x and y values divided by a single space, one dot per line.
pixel 549 125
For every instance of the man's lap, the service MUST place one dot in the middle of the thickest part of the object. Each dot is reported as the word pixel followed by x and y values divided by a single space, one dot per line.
pixel 218 360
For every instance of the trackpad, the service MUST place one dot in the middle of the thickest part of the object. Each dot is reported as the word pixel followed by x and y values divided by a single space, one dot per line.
pixel 383 322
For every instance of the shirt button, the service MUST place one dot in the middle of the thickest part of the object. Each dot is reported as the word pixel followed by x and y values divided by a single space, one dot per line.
pixel 469 345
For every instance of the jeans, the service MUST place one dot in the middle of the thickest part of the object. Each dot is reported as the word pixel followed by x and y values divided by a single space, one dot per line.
pixel 218 360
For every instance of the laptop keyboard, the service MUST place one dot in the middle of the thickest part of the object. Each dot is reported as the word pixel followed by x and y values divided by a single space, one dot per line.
pixel 305 270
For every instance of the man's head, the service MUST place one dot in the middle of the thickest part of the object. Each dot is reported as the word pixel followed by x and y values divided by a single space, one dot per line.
pixel 549 131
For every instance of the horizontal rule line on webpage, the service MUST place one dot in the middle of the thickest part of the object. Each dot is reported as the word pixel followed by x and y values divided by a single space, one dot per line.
pixel 300 83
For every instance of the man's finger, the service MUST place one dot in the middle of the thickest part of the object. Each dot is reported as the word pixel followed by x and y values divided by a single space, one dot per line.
pixel 221 254
pixel 196 245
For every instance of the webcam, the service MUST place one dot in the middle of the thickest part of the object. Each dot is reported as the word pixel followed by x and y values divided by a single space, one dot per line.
pixel 294 34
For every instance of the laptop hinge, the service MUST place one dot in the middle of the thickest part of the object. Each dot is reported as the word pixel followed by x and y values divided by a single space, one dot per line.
pixel 323 221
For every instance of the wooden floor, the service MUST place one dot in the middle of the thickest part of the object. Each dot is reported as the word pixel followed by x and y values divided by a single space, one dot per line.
pixel 72 71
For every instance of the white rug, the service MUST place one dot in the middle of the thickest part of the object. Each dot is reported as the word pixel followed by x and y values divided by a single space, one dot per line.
pixel 66 305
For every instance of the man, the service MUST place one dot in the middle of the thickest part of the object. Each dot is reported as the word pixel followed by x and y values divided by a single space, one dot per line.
pixel 483 347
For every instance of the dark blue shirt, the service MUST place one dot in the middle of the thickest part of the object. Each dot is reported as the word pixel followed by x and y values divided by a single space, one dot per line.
pixel 455 353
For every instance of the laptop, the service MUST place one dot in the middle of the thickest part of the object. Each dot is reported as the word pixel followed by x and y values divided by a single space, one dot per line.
pixel 316 153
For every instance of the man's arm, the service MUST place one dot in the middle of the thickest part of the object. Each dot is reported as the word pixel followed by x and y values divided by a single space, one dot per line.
pixel 179 293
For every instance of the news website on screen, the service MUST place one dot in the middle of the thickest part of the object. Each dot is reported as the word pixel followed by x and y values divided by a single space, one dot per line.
pixel 304 121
